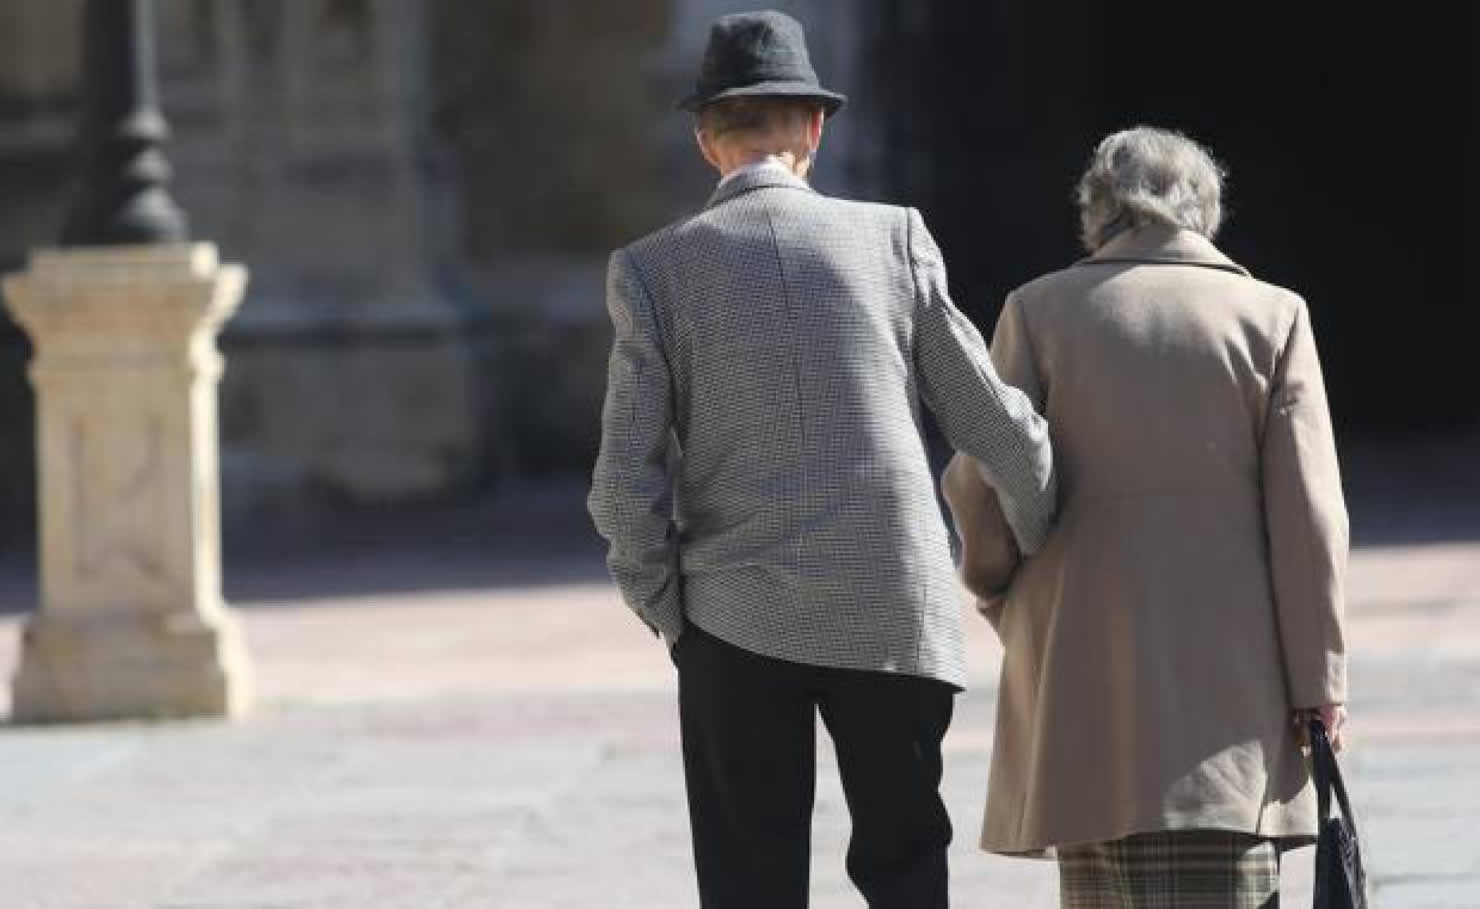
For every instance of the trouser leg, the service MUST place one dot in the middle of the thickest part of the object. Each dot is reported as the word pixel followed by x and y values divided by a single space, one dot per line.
pixel 750 766
pixel 887 730
pixel 1172 869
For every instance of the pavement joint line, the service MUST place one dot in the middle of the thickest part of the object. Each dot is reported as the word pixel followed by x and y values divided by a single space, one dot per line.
pixel 535 813
pixel 240 836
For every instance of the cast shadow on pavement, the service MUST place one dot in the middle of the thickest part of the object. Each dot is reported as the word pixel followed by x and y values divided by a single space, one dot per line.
pixel 525 537
pixel 1399 491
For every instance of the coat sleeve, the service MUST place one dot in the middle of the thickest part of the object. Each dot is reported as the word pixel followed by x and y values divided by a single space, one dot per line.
pixel 979 413
pixel 1306 522
pixel 989 553
pixel 631 499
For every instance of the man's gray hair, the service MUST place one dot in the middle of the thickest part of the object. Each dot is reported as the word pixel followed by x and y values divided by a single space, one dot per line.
pixel 1144 176
pixel 756 115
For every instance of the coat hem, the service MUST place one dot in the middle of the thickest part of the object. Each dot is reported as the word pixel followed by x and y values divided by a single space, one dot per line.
pixel 1284 842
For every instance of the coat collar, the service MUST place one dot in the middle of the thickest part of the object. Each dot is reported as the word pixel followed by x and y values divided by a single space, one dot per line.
pixel 1158 245
pixel 756 178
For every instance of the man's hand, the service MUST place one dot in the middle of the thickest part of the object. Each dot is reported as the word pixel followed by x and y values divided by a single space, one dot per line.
pixel 1333 717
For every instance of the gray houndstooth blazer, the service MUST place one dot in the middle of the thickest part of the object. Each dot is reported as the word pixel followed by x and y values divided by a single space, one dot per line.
pixel 762 472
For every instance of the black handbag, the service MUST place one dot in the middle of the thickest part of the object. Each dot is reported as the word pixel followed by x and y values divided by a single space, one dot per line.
pixel 1341 882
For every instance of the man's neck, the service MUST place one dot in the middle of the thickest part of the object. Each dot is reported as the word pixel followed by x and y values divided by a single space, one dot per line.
pixel 787 161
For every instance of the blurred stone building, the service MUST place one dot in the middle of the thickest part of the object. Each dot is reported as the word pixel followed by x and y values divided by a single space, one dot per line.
pixel 426 193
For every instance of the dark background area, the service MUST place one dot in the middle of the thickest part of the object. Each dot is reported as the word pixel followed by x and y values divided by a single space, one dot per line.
pixel 1349 134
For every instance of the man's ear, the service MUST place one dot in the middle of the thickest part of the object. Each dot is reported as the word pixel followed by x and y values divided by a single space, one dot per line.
pixel 706 147
pixel 814 129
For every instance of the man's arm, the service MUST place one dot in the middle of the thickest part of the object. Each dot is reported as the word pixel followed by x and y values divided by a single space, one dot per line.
pixel 979 413
pixel 989 553
pixel 631 499
pixel 1306 521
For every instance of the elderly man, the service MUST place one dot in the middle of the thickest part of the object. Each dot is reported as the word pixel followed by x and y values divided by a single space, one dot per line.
pixel 766 493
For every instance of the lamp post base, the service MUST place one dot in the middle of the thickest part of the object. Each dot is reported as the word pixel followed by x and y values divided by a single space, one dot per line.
pixel 129 667
pixel 131 621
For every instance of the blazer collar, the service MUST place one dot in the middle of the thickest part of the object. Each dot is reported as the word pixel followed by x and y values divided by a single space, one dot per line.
pixel 1158 245
pixel 753 179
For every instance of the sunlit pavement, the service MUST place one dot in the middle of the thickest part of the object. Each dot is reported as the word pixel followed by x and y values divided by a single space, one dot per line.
pixel 514 745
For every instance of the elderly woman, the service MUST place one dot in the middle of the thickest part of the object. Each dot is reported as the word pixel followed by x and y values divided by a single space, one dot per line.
pixel 1188 605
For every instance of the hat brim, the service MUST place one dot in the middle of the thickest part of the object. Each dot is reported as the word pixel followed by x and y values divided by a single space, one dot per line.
pixel 832 102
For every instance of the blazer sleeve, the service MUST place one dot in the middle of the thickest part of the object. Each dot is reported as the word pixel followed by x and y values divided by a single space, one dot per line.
pixel 631 500
pixel 989 554
pixel 1306 522
pixel 978 412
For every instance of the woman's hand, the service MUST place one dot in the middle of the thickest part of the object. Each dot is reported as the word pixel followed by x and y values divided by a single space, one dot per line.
pixel 1333 717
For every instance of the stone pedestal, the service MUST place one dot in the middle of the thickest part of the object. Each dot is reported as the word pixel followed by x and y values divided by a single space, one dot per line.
pixel 131 621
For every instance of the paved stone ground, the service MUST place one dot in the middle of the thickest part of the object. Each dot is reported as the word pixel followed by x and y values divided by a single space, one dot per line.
pixel 476 722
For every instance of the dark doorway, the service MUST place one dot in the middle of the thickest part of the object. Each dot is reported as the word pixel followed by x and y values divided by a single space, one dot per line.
pixel 1349 134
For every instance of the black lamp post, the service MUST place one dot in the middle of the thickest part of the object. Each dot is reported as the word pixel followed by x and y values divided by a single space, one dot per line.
pixel 124 198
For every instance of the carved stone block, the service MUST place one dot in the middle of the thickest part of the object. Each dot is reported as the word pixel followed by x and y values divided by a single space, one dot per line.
pixel 132 621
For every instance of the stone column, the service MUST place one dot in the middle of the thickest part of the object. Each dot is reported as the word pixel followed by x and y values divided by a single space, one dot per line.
pixel 131 621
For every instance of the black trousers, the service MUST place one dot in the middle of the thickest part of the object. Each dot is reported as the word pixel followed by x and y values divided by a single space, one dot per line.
pixel 749 734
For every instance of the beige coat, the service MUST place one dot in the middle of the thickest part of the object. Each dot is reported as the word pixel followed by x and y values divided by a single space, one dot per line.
pixel 1191 593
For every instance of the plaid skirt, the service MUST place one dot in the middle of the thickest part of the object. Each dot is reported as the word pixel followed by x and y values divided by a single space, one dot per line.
pixel 1173 869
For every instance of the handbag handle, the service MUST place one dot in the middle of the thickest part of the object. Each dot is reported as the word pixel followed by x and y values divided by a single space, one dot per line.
pixel 1327 774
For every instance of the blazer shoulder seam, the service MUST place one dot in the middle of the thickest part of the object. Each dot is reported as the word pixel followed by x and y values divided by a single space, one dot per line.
pixel 911 215
pixel 650 303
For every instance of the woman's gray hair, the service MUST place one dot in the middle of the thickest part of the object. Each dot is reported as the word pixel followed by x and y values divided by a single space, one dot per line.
pixel 1147 176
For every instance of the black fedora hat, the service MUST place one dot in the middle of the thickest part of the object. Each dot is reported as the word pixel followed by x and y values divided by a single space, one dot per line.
pixel 758 54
